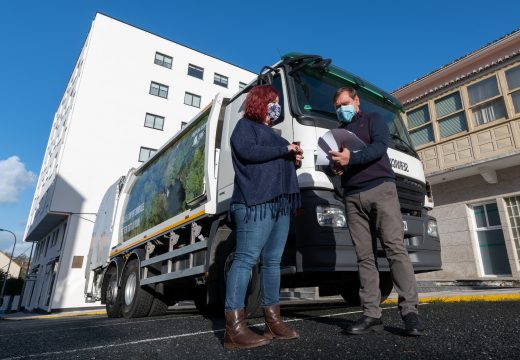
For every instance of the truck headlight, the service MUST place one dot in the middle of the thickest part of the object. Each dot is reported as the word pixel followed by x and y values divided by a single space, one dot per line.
pixel 432 228
pixel 330 216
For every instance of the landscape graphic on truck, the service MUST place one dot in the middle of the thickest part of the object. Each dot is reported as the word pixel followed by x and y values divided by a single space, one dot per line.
pixel 168 183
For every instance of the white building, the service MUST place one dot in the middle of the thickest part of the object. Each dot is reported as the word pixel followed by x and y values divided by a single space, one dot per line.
pixel 129 92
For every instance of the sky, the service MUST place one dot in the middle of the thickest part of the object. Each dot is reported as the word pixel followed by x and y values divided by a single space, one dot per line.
pixel 389 43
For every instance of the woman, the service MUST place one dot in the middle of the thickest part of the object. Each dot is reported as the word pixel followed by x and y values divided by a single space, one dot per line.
pixel 265 193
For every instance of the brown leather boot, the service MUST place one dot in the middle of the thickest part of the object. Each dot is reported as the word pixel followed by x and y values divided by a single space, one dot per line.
pixel 238 335
pixel 275 327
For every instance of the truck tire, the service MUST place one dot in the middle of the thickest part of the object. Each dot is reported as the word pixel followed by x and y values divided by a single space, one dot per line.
pixel 112 293
pixel 159 304
pixel 225 259
pixel 350 291
pixel 135 301
pixel 158 308
pixel 201 302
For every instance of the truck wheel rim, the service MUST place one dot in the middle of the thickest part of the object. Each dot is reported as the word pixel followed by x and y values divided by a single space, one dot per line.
pixel 130 286
pixel 112 291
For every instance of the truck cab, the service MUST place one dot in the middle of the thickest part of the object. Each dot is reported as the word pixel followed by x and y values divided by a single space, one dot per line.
pixel 319 240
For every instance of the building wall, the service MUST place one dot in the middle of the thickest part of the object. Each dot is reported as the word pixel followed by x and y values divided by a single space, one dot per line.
pixel 38 284
pixel 464 119
pixel 97 134
pixel 453 209
pixel 14 268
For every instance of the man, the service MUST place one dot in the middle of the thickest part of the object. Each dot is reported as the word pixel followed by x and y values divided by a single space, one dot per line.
pixel 373 211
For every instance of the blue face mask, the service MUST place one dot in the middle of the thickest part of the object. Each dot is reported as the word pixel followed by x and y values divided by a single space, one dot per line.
pixel 346 113
pixel 274 110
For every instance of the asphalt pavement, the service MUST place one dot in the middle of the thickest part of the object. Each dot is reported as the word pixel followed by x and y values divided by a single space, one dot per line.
pixel 462 330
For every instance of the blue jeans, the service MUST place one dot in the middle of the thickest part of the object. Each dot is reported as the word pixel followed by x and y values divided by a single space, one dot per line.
pixel 260 237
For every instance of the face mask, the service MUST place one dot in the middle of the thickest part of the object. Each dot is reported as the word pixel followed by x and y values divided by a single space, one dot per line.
pixel 346 113
pixel 274 110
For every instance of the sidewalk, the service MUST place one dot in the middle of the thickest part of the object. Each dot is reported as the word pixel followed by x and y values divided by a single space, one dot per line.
pixel 455 295
pixel 492 294
pixel 23 315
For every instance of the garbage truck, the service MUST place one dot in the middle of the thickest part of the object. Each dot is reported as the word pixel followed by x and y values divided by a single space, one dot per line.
pixel 163 235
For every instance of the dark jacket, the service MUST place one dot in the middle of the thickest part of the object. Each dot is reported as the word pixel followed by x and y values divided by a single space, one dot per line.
pixel 264 169
pixel 369 167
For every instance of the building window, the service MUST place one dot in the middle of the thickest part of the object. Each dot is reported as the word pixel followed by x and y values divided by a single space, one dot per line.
pixel 163 60
pixel 420 126
pixel 220 80
pixel 513 210
pixel 145 153
pixel 154 121
pixel 486 103
pixel 450 115
pixel 159 90
pixel 192 99
pixel 490 239
pixel 241 85
pixel 513 85
pixel 195 71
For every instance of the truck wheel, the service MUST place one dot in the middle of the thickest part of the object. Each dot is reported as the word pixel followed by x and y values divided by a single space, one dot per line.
pixel 112 293
pixel 201 302
pixel 159 303
pixel 136 301
pixel 350 292
pixel 225 259
pixel 158 308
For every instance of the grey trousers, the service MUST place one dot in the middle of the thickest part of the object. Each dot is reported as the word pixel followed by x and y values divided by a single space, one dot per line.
pixel 376 213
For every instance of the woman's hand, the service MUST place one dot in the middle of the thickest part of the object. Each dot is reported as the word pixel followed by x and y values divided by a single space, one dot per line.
pixel 297 154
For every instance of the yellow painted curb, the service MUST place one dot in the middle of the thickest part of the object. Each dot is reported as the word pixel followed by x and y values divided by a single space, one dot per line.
pixel 58 316
pixel 463 298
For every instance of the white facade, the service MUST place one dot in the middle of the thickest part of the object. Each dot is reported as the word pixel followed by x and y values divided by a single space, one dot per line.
pixel 96 137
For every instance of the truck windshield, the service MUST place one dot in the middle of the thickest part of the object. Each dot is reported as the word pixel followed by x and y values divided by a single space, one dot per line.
pixel 315 89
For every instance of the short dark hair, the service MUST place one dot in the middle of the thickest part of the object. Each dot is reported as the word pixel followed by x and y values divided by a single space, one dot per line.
pixel 351 92
pixel 257 100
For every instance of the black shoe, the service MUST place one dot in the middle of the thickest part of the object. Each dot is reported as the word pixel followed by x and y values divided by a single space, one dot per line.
pixel 365 325
pixel 412 325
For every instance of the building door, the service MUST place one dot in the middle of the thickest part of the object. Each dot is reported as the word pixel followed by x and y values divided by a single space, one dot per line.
pixel 51 277
pixel 490 237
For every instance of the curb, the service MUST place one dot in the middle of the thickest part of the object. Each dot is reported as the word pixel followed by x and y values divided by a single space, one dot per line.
pixel 463 298
pixel 55 316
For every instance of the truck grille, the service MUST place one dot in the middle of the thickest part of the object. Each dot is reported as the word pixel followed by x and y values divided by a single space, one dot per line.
pixel 411 195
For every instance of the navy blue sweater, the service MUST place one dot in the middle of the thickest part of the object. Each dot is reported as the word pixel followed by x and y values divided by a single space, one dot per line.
pixel 369 167
pixel 264 168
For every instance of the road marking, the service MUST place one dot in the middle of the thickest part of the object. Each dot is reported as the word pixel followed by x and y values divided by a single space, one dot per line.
pixel 171 337
pixel 108 324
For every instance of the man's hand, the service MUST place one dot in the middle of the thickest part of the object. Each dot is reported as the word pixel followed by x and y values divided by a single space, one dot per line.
pixel 340 158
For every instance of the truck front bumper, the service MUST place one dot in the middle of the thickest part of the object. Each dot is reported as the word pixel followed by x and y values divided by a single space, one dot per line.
pixel 315 248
